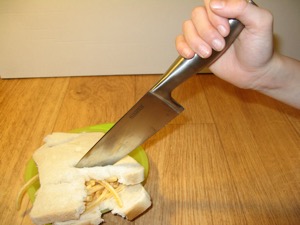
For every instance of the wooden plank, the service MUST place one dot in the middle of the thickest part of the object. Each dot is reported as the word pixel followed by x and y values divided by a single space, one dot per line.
pixel 190 181
pixel 28 112
pixel 95 100
pixel 262 150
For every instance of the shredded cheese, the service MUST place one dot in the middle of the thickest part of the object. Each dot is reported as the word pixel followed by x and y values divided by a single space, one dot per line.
pixel 24 189
pixel 100 190
pixel 113 192
pixel 97 201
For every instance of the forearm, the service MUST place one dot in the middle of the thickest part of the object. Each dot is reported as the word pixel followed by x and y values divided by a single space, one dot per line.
pixel 282 80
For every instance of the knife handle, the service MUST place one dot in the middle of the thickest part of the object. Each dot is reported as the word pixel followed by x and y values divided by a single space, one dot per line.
pixel 182 68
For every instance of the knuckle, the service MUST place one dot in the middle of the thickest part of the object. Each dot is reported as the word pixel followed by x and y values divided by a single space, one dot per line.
pixel 196 12
pixel 268 18
pixel 210 33
pixel 186 24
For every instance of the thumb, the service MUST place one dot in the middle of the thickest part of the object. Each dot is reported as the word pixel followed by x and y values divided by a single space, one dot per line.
pixel 249 14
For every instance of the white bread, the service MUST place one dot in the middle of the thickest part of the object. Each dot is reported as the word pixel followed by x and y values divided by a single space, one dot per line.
pixel 136 198
pixel 62 193
pixel 90 218
pixel 137 201
pixel 59 202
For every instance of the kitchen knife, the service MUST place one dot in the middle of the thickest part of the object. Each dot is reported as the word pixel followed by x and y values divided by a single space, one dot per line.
pixel 153 111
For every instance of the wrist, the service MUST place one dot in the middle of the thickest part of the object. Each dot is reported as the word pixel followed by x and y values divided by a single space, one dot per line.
pixel 271 74
pixel 281 80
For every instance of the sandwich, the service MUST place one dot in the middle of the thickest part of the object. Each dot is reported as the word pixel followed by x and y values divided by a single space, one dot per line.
pixel 70 195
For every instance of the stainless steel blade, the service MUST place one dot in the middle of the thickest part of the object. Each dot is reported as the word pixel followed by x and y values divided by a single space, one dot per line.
pixel 153 111
pixel 143 120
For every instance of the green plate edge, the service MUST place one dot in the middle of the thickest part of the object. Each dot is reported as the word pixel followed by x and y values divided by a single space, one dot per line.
pixel 138 154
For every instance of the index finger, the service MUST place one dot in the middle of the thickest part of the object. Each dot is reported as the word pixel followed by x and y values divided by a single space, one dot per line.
pixel 219 22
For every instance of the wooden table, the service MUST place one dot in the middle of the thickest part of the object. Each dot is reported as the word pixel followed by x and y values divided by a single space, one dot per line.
pixel 232 157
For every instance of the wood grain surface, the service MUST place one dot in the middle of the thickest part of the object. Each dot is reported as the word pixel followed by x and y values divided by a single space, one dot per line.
pixel 232 157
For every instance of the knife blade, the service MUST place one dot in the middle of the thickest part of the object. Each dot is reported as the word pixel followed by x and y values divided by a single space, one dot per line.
pixel 153 111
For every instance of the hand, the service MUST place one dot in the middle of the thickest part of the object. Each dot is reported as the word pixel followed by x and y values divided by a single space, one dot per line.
pixel 249 59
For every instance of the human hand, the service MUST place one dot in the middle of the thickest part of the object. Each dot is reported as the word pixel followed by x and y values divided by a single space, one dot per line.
pixel 247 61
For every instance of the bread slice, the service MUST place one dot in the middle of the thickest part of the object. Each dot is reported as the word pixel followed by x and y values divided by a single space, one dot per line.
pixel 61 197
pixel 90 218
pixel 58 202
pixel 137 201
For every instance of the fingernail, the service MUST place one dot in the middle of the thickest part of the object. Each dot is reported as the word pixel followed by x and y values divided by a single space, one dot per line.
pixel 222 30
pixel 217 44
pixel 186 53
pixel 203 51
pixel 217 4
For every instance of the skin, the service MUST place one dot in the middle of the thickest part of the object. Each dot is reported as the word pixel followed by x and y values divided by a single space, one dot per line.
pixel 250 62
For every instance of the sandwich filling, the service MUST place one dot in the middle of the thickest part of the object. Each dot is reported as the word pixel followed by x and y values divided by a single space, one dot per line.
pixel 70 195
pixel 100 190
